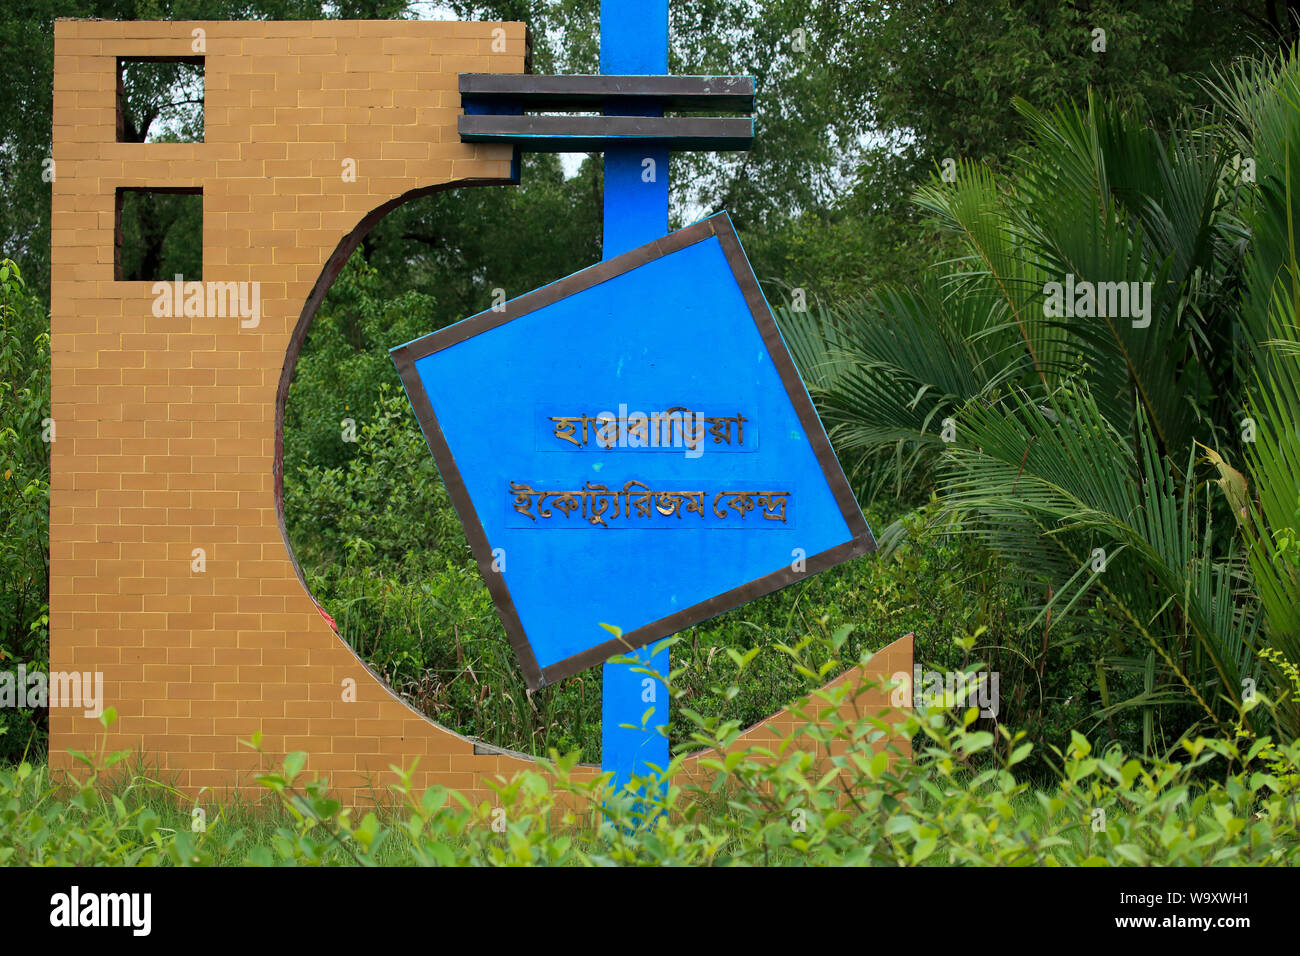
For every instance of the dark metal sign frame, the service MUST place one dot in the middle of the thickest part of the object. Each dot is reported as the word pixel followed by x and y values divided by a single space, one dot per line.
pixel 495 104
pixel 719 226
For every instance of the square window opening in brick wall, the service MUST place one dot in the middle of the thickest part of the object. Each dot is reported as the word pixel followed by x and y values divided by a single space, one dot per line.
pixel 158 234
pixel 160 99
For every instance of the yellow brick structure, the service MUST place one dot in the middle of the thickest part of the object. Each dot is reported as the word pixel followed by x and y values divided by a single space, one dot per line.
pixel 167 427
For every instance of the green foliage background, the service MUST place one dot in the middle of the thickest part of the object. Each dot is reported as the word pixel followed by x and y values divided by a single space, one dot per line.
pixel 24 499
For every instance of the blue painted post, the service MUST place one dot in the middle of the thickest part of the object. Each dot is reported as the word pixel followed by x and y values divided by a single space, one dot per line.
pixel 634 41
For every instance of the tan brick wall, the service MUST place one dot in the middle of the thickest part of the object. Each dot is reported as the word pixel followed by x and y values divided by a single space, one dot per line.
pixel 166 427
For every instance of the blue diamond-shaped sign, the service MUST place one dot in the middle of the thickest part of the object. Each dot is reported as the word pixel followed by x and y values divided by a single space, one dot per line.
pixel 631 446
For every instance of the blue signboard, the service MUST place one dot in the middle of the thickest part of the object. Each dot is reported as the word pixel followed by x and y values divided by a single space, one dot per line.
pixel 631 446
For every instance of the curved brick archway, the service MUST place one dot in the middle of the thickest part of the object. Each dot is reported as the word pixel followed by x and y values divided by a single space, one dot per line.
pixel 167 426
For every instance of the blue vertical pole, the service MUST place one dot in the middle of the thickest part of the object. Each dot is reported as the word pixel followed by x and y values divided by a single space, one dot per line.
pixel 634 41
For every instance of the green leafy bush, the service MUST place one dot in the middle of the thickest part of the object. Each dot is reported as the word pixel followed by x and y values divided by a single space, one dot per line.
pixel 961 800
pixel 24 499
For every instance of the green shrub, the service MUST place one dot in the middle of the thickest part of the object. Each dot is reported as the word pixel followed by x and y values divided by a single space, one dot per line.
pixel 961 800
pixel 24 500
pixel 958 801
